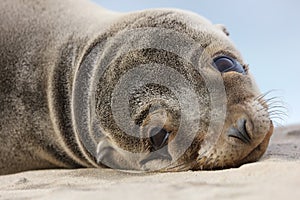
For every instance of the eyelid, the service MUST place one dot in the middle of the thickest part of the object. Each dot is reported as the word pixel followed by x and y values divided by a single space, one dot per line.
pixel 237 67
pixel 226 54
pixel 231 55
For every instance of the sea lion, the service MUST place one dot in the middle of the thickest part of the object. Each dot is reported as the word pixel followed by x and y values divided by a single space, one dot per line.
pixel 160 89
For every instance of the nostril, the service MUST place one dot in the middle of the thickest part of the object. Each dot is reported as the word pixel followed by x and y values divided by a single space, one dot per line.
pixel 240 132
pixel 241 123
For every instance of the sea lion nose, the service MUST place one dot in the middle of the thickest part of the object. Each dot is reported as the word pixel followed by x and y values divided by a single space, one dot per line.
pixel 239 131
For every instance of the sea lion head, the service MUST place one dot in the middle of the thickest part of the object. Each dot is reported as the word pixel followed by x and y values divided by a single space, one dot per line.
pixel 169 91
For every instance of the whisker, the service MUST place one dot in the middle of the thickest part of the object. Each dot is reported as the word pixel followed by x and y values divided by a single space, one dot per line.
pixel 276 117
pixel 271 99
pixel 263 95
pixel 276 108
pixel 278 112
pixel 266 109
pixel 275 103
pixel 275 114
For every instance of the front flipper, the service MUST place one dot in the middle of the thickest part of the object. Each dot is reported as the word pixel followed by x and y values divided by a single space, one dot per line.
pixel 110 155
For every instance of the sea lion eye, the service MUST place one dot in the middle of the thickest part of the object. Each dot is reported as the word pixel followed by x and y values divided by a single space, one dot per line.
pixel 226 64
pixel 159 137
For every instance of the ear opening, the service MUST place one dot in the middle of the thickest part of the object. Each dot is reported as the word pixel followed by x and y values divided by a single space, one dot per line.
pixel 223 28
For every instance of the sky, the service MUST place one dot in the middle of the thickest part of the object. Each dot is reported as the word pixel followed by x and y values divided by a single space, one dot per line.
pixel 266 32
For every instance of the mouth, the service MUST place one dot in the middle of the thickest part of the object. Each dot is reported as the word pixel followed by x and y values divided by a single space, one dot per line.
pixel 159 156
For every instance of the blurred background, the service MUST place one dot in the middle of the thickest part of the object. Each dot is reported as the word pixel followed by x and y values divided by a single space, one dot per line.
pixel 266 32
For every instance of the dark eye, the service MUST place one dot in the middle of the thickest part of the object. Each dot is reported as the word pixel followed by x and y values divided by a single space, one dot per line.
pixel 226 64
pixel 159 137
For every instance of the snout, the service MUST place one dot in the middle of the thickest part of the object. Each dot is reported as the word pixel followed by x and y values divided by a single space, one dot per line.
pixel 248 123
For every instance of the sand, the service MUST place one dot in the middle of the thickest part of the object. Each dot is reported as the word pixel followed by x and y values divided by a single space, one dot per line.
pixel 275 176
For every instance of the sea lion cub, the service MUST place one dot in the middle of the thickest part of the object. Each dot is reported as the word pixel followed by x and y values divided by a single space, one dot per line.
pixel 159 89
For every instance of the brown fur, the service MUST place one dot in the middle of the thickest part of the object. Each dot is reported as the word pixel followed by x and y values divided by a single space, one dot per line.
pixel 45 48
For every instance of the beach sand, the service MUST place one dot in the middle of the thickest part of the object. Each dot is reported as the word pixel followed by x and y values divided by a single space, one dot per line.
pixel 275 176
